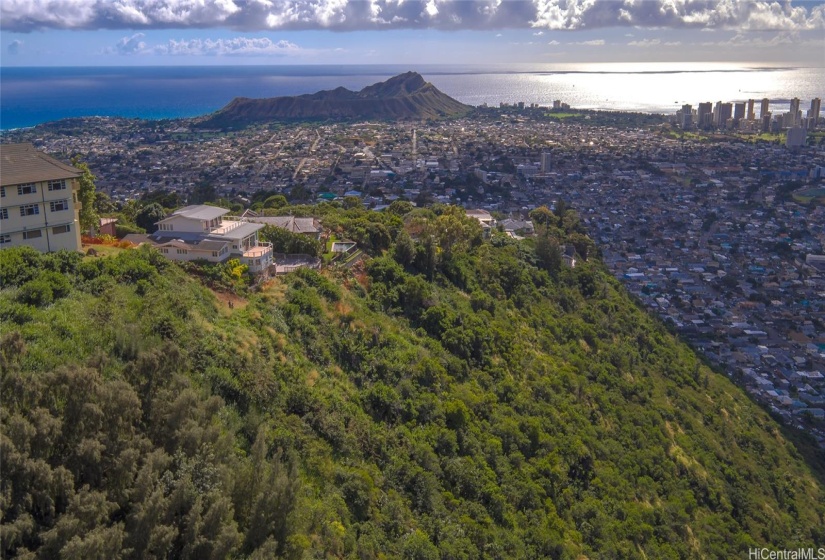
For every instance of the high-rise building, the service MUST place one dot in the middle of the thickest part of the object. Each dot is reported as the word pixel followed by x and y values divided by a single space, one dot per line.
pixel 766 107
pixel 796 137
pixel 717 113
pixel 684 117
pixel 794 111
pixel 813 112
pixel 704 114
pixel 721 113
pixel 751 114
pixel 739 111
pixel 766 122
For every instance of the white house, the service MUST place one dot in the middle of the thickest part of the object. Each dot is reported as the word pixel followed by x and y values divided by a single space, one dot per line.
pixel 201 232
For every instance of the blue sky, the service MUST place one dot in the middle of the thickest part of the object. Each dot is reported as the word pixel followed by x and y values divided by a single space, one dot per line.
pixel 230 32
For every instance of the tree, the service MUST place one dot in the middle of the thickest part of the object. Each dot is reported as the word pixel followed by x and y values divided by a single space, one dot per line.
pixel 352 202
pixel 150 215
pixel 276 201
pixel 400 207
pixel 86 196
pixel 542 216
pixel 548 251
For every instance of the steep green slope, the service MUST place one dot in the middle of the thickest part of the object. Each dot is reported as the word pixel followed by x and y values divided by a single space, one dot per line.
pixel 454 399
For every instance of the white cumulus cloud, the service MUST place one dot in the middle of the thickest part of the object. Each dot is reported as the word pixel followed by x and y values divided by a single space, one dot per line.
pixel 346 15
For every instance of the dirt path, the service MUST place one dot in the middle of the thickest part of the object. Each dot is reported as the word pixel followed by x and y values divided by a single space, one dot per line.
pixel 230 301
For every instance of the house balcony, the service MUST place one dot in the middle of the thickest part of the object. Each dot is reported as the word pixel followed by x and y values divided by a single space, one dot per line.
pixel 258 257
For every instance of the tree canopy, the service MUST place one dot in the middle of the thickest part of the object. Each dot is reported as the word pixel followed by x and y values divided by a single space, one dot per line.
pixel 451 399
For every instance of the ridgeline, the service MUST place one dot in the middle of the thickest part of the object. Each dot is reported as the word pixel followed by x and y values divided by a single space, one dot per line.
pixel 403 97
pixel 453 398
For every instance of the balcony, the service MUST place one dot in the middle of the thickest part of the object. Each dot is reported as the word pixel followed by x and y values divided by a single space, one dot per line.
pixel 258 251
pixel 258 258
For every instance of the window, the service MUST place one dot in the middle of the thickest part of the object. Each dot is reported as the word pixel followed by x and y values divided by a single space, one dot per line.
pixel 165 251
pixel 59 205
pixel 57 185
pixel 29 188
pixel 214 253
pixel 61 229
pixel 29 210
pixel 5 239
pixel 34 234
pixel 2 192
pixel 4 213
pixel 182 251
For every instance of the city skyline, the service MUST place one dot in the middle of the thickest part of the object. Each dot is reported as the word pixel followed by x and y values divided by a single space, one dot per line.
pixel 246 32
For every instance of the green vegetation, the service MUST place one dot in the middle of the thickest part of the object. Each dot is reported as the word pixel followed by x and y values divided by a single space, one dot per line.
pixel 562 115
pixel 86 196
pixel 806 196
pixel 455 398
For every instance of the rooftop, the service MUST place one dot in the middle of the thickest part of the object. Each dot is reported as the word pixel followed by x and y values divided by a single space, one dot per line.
pixel 199 212
pixel 23 163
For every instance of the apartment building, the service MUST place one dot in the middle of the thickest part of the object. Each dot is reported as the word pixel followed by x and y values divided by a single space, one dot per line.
pixel 38 200
pixel 201 232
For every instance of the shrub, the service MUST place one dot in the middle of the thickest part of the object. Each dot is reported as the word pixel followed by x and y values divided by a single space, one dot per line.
pixel 122 230
pixel 58 283
pixel 36 292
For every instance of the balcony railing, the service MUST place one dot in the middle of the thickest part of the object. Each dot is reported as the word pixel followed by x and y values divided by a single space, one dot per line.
pixel 258 251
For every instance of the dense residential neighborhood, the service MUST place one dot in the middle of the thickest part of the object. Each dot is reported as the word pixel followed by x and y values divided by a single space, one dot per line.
pixel 720 235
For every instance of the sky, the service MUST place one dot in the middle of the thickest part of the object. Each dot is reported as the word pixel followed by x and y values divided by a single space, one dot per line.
pixel 252 32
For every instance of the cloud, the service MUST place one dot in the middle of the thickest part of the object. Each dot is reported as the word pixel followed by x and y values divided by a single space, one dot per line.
pixel 131 45
pixel 725 14
pixel 645 43
pixel 14 47
pixel 554 43
pixel 743 40
pixel 349 15
pixel 593 43
pixel 538 34
pixel 238 46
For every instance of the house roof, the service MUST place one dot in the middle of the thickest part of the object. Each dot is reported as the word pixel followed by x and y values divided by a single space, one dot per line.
pixel 23 163
pixel 191 244
pixel 289 223
pixel 212 245
pixel 198 212
pixel 238 232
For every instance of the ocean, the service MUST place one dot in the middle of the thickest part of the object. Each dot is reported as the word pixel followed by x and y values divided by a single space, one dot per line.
pixel 29 96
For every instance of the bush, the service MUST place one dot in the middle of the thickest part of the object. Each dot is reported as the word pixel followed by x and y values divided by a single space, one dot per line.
pixel 36 292
pixel 58 283
pixel 122 230
pixel 19 265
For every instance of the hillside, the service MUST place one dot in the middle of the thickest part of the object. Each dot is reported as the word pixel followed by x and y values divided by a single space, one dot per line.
pixel 455 398
pixel 406 96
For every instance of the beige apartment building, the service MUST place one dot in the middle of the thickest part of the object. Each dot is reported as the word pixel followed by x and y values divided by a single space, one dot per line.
pixel 38 200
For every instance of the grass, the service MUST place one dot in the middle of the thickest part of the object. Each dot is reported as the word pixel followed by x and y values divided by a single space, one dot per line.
pixel 762 137
pixel 807 195
pixel 562 116
pixel 104 250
